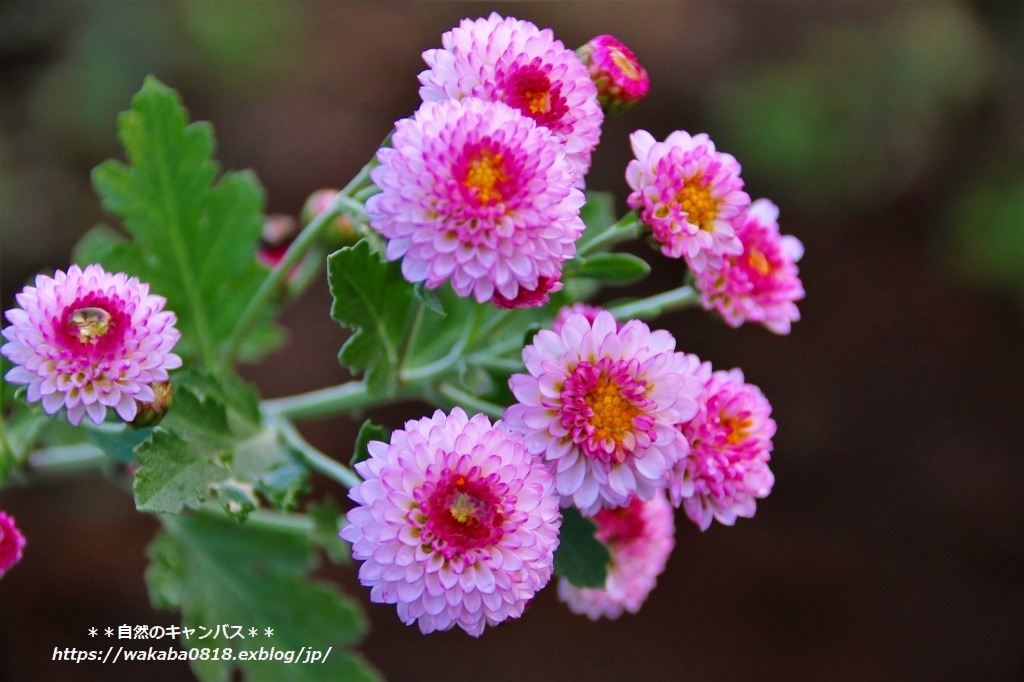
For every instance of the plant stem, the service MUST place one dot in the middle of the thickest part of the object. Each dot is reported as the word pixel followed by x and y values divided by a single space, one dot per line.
pixel 314 458
pixel 68 458
pixel 291 524
pixel 470 401
pixel 352 395
pixel 626 228
pixel 652 306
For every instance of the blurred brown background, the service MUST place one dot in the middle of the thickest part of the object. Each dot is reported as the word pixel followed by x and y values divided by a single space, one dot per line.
pixel 891 135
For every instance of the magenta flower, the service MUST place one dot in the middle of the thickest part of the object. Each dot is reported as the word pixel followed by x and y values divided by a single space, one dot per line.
pixel 688 194
pixel 762 284
pixel 513 61
pixel 640 537
pixel 12 542
pixel 620 79
pixel 529 298
pixel 600 405
pixel 730 445
pixel 456 523
pixel 565 312
pixel 477 194
pixel 89 340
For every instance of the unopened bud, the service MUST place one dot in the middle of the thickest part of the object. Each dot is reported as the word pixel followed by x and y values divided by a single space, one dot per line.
pixel 621 81
pixel 341 231
pixel 529 298
pixel 279 231
pixel 150 414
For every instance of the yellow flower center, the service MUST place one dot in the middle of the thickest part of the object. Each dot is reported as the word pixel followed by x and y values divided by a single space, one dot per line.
pixel 757 261
pixel 613 414
pixel 624 63
pixel 89 324
pixel 695 198
pixel 739 429
pixel 539 101
pixel 484 174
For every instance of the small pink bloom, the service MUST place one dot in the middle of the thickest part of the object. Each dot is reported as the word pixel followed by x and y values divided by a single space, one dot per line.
pixel 730 445
pixel 11 543
pixel 620 79
pixel 456 523
pixel 475 193
pixel 600 404
pixel 585 309
pixel 762 284
pixel 512 61
pixel 89 340
pixel 529 298
pixel 688 194
pixel 640 537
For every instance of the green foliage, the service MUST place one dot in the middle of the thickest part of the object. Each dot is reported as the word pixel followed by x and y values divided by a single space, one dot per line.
pixel 211 442
pixel 327 522
pixel 192 239
pixel 371 297
pixel 367 432
pixel 609 268
pixel 581 557
pixel 218 572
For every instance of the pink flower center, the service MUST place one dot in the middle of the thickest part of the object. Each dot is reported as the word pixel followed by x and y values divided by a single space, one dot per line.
pixel 529 89
pixel 695 198
pixel 605 409
pixel 93 326
pixel 461 514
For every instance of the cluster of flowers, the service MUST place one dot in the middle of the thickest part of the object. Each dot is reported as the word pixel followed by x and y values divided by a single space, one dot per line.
pixel 457 519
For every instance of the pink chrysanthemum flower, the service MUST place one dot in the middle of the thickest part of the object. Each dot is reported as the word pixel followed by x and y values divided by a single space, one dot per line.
pixel 688 194
pixel 457 524
pixel 513 61
pixel 730 446
pixel 88 340
pixel 11 543
pixel 620 79
pixel 475 193
pixel 600 405
pixel 585 309
pixel 762 284
pixel 640 537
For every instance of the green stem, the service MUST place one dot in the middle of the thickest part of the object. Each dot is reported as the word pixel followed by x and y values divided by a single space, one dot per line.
pixel 314 458
pixel 652 306
pixel 628 227
pixel 67 458
pixel 352 395
pixel 470 401
pixel 291 524
pixel 343 203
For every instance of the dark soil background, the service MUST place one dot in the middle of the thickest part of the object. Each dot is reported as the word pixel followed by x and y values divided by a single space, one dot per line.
pixel 891 135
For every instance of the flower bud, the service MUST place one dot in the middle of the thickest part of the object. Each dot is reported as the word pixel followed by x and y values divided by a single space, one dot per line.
pixel 620 79
pixel 279 231
pixel 341 232
pixel 11 543
pixel 529 298
pixel 152 412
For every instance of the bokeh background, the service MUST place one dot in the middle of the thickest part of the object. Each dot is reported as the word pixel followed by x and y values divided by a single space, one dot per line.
pixel 891 135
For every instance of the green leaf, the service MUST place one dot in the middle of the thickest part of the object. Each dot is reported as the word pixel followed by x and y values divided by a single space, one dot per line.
pixel 224 573
pixel 609 268
pixel 193 240
pixel 371 297
pixel 598 214
pixel 121 446
pixel 367 432
pixel 428 298
pixel 581 557
pixel 188 453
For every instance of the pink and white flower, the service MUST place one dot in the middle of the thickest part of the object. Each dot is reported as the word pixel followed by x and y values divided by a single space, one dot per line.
pixel 12 542
pixel 512 61
pixel 730 441
pixel 477 194
pixel 456 523
pixel 89 340
pixel 620 79
pixel 688 194
pixel 762 284
pixel 600 404
pixel 640 537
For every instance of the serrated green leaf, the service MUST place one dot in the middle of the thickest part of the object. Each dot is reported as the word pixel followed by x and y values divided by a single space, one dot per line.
pixel 220 572
pixel 193 240
pixel 371 297
pixel 581 557
pixel 428 298
pixel 185 456
pixel 367 432
pixel 609 268
pixel 121 446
